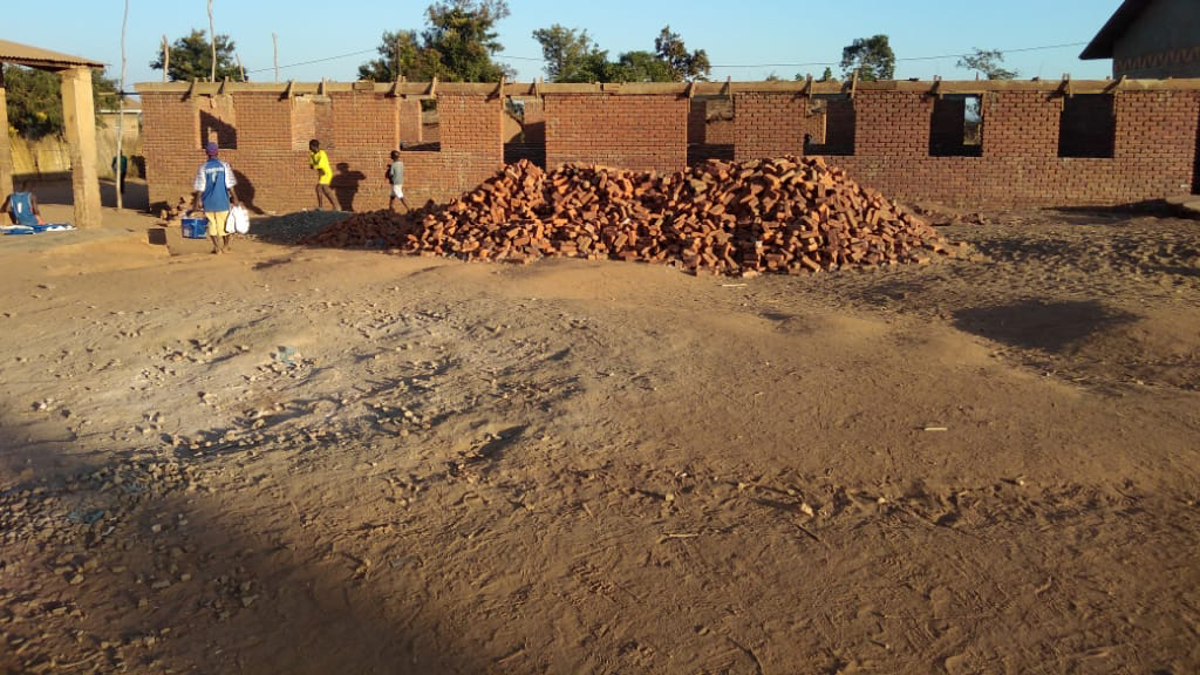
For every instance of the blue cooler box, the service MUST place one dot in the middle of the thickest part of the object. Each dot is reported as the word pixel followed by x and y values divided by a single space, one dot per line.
pixel 195 228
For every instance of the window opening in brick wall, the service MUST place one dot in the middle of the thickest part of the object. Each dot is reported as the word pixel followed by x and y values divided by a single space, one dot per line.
pixel 213 128
pixel 956 126
pixel 431 136
pixel 710 130
pixel 1087 126
pixel 831 126
pixel 524 131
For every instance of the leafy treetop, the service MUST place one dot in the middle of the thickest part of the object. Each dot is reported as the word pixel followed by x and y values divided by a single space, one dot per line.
pixel 191 59
pixel 987 62
pixel 456 46
pixel 871 57
pixel 35 99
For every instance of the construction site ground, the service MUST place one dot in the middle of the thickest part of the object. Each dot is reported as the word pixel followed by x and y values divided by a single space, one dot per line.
pixel 288 459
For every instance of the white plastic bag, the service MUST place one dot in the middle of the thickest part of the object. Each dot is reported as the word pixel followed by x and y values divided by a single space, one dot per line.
pixel 238 221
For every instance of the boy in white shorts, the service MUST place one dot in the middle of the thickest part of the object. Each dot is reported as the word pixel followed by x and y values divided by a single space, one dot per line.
pixel 395 175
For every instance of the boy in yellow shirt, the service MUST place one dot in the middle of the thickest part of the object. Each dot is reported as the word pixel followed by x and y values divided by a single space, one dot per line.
pixel 318 160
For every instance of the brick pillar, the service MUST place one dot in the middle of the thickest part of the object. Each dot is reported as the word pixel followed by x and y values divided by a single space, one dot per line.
pixel 410 122
pixel 1021 124
pixel 79 119
pixel 892 124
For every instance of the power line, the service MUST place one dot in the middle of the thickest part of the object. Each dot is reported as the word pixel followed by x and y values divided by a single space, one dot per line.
pixel 910 58
pixel 322 60
pixel 715 65
pixel 836 63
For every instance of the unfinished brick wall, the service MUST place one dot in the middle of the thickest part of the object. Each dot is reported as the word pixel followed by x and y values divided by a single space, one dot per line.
pixel 1155 145
pixel 769 125
pixel 642 132
pixel 892 124
pixel 265 138
pixel 1040 145
pixel 410 122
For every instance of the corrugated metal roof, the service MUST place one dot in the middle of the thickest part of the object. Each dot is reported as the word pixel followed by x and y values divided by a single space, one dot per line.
pixel 1101 46
pixel 25 55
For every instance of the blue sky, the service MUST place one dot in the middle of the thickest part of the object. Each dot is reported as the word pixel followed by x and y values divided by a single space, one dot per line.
pixel 745 39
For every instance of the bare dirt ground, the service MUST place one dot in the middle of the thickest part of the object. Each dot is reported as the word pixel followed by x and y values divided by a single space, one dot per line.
pixel 293 460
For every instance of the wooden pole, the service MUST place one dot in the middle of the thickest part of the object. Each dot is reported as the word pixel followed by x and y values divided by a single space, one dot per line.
pixel 166 58
pixel 241 68
pixel 212 36
pixel 275 45
pixel 120 169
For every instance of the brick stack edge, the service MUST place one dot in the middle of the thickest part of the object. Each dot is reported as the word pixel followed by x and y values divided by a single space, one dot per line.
pixel 885 136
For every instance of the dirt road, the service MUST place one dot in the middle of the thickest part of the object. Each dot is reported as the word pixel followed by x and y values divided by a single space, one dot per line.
pixel 291 460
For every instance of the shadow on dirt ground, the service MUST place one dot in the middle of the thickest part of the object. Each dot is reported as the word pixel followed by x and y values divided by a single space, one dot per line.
pixel 1036 324
pixel 131 565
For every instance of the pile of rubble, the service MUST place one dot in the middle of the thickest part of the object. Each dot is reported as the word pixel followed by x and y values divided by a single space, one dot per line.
pixel 787 215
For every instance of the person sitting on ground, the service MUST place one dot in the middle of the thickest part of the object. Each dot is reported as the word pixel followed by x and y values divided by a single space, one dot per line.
pixel 22 207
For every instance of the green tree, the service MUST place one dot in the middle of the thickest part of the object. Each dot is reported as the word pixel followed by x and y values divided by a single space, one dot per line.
pixel 987 62
pixel 872 58
pixel 572 56
pixel 569 53
pixel 461 39
pixel 191 59
pixel 456 46
pixel 640 66
pixel 684 65
pixel 35 99
pixel 595 67
pixel 399 55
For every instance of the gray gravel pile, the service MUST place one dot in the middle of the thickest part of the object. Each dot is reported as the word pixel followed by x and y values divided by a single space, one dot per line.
pixel 290 228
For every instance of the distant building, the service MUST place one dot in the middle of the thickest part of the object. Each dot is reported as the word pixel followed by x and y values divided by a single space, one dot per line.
pixel 1151 39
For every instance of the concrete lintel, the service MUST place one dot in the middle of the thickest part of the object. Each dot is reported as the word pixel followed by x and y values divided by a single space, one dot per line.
pixel 803 87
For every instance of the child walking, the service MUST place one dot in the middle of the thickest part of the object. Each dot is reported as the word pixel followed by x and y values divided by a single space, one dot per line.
pixel 395 175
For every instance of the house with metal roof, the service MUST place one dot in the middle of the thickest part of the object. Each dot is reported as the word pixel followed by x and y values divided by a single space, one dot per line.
pixel 1150 39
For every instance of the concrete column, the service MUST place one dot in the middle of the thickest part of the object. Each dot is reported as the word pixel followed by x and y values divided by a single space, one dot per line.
pixel 79 119
pixel 6 162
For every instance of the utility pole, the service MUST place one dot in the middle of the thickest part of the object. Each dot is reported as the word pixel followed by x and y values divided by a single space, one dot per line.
pixel 119 163
pixel 212 36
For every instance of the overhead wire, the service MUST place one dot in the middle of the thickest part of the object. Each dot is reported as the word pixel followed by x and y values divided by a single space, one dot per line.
pixel 715 65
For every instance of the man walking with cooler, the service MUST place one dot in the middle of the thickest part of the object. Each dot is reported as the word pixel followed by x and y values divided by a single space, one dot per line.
pixel 214 194
pixel 318 160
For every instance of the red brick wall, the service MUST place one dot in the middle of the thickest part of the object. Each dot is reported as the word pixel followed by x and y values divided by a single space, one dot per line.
pixel 892 124
pixel 647 133
pixel 410 122
pixel 770 125
pixel 1154 143
pixel 1021 124
pixel 1155 148
pixel 358 129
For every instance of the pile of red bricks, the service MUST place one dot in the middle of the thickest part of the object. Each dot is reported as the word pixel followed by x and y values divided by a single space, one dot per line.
pixel 788 215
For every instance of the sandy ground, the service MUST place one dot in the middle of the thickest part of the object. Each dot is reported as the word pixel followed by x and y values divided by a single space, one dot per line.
pixel 293 460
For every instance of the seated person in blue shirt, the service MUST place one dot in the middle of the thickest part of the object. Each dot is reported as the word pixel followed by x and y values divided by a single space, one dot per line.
pixel 22 207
